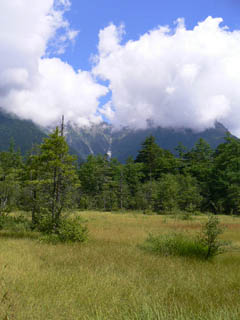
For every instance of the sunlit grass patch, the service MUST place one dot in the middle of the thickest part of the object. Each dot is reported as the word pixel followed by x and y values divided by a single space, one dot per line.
pixel 109 277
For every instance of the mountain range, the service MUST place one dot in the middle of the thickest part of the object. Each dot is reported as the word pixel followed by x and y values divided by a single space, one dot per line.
pixel 103 138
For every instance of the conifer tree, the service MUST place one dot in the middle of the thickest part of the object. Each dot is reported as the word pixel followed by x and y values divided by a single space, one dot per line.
pixel 148 155
pixel 53 175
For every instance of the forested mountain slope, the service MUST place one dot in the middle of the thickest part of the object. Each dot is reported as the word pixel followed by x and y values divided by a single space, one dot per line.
pixel 102 138
pixel 24 133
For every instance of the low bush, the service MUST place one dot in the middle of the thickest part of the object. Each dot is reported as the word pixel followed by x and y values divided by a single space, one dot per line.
pixel 49 238
pixel 14 223
pixel 72 230
pixel 69 230
pixel 44 224
pixel 176 244
pixel 210 232
pixel 205 245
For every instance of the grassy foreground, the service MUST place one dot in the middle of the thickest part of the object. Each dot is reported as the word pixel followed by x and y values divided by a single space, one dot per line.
pixel 110 277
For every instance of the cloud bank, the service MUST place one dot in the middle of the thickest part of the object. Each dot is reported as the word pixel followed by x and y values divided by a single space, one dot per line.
pixel 32 85
pixel 177 78
pixel 174 77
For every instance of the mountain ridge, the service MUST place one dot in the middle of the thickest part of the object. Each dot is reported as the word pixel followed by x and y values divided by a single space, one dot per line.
pixel 102 138
pixel 24 133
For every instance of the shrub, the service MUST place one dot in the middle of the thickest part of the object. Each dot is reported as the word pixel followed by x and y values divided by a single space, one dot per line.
pixel 204 246
pixel 52 238
pixel 176 244
pixel 69 230
pixel 16 224
pixel 72 230
pixel 209 237
pixel 44 224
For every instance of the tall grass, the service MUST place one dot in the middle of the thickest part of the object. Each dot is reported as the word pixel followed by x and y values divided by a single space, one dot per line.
pixel 204 245
pixel 109 277
pixel 176 244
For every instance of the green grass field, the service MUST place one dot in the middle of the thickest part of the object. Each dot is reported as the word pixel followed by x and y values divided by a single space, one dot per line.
pixel 110 277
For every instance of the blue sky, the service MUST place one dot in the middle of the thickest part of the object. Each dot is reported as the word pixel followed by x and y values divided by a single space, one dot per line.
pixel 138 16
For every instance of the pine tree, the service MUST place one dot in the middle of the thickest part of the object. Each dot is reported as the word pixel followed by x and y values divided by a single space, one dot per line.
pixel 148 155
pixel 53 179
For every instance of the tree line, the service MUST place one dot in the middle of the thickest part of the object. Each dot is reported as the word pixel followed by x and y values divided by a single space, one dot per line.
pixel 200 179
pixel 49 180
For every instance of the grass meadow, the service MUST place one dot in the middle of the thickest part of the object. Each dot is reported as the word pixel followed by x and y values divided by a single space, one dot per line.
pixel 111 277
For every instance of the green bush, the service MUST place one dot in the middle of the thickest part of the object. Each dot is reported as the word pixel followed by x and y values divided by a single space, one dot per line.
pixel 176 244
pixel 209 237
pixel 205 246
pixel 69 230
pixel 72 230
pixel 44 224
pixel 52 238
pixel 14 223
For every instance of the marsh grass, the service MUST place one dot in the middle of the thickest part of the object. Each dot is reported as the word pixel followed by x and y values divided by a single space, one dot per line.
pixel 204 245
pixel 109 277
pixel 176 244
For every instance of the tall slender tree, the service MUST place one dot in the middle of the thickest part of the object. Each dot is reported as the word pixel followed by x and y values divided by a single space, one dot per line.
pixel 54 177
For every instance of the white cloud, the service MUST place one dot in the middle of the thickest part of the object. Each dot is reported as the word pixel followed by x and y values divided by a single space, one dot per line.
pixel 110 38
pixel 60 90
pixel 177 78
pixel 32 85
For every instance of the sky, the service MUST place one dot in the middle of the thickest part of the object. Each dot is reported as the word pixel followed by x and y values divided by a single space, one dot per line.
pixel 176 63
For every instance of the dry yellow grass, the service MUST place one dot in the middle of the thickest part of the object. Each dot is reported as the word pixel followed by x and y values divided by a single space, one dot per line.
pixel 111 278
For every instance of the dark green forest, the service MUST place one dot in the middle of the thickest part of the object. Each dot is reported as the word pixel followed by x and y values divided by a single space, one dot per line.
pixel 49 181
pixel 200 179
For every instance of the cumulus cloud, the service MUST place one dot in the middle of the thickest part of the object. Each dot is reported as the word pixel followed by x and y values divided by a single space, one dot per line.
pixel 60 90
pixel 31 84
pixel 175 77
